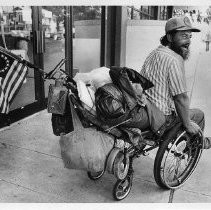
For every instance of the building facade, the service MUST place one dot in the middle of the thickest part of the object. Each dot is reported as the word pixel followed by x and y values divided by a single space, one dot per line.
pixel 87 36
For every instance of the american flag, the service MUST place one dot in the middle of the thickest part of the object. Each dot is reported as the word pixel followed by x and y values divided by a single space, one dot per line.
pixel 12 74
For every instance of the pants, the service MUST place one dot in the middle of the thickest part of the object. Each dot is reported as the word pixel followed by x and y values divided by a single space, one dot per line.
pixel 141 120
pixel 196 115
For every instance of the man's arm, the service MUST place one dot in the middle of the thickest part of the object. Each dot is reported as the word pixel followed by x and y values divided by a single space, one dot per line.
pixel 181 102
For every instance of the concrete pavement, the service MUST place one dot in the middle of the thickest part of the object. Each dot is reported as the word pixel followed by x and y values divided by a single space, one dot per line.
pixel 31 168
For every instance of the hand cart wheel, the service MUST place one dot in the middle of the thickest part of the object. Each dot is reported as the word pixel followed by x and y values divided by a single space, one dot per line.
pixel 95 175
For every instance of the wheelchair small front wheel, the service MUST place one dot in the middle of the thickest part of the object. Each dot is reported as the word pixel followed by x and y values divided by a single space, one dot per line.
pixel 95 175
pixel 122 188
pixel 121 165
pixel 176 159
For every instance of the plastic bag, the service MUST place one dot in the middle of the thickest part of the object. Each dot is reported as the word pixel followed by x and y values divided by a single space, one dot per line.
pixel 110 104
pixel 86 95
pixel 96 78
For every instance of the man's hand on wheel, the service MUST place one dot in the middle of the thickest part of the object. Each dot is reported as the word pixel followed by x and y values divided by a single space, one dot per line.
pixel 193 128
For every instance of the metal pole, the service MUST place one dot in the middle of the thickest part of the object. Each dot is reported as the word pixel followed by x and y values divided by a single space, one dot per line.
pixel 37 54
pixel 111 36
pixel 102 40
pixel 69 40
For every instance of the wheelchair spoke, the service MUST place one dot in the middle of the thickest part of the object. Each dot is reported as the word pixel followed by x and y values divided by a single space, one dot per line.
pixel 176 160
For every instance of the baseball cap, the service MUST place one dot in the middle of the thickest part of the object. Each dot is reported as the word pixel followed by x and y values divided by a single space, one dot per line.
pixel 181 23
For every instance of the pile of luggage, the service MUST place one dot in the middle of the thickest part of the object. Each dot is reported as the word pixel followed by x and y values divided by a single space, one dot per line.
pixel 105 97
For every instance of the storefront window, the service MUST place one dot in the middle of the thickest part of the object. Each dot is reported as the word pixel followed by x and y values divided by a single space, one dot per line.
pixel 142 13
pixel 145 9
pixel 87 34
pixel 163 13
pixel 15 35
pixel 54 31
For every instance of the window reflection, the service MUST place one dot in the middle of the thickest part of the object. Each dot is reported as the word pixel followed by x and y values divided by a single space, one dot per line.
pixel 16 26
pixel 53 27
pixel 15 35
pixel 86 44
pixel 149 12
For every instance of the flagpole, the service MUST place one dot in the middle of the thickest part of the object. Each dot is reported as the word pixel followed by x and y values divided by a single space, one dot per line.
pixel 27 63
pixel 30 65
pixel 3 35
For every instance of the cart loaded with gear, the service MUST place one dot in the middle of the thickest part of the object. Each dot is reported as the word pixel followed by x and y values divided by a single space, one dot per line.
pixel 94 141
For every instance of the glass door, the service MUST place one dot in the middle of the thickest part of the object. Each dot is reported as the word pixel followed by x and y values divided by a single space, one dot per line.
pixel 86 34
pixel 54 41
pixel 87 37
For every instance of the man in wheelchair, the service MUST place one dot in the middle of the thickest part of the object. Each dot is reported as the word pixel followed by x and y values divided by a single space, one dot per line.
pixel 164 67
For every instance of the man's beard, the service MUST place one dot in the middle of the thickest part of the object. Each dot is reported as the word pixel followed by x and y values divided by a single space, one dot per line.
pixel 181 50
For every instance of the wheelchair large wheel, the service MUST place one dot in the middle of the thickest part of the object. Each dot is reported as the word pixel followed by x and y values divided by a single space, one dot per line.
pixel 176 159
pixel 95 175
pixel 122 188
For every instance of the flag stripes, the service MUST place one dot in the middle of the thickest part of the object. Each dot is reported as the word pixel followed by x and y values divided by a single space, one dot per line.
pixel 10 85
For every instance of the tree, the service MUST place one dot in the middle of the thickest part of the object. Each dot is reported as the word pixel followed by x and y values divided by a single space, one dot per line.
pixel 79 12
pixel 58 11
pixel 86 12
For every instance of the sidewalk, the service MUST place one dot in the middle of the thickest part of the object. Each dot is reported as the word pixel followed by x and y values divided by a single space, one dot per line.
pixel 31 169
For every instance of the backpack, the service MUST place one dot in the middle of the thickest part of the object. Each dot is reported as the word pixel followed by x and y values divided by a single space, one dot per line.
pixel 111 107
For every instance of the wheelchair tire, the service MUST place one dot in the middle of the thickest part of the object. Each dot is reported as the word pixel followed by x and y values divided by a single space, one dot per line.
pixel 176 158
pixel 122 188
pixel 95 175
pixel 121 166
pixel 110 160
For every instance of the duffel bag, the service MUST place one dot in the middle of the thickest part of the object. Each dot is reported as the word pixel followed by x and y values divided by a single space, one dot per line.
pixel 85 148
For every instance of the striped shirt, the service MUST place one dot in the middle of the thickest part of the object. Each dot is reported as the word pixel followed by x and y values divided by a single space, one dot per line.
pixel 165 69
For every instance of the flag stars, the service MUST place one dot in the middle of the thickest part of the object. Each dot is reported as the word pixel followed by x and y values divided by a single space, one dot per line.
pixel 6 63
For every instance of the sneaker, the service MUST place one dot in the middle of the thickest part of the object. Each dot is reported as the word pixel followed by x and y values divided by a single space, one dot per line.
pixel 207 142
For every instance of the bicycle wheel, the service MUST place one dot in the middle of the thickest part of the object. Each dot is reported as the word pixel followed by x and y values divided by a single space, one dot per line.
pixel 176 159
pixel 122 188
pixel 95 175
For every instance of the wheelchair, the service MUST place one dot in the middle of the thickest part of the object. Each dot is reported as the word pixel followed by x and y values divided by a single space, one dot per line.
pixel 176 159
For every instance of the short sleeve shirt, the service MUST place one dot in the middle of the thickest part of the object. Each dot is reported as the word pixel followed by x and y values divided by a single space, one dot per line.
pixel 165 69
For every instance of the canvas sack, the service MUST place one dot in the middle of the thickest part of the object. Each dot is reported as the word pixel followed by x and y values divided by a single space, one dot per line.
pixel 85 148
